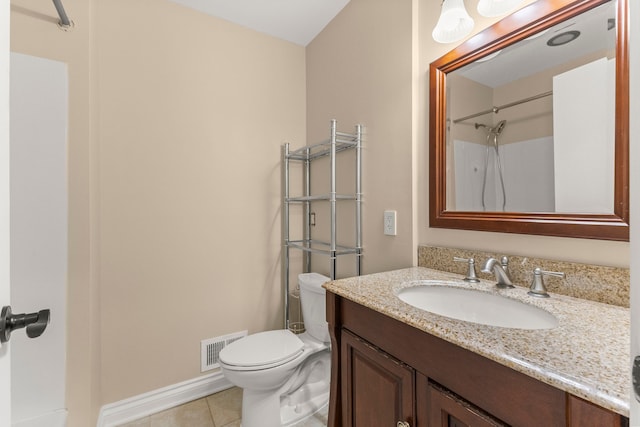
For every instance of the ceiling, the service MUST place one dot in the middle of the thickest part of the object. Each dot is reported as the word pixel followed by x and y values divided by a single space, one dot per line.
pixel 297 21
pixel 533 55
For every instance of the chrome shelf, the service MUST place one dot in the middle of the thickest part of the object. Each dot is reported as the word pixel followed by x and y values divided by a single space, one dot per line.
pixel 324 197
pixel 343 141
pixel 328 247
pixel 324 248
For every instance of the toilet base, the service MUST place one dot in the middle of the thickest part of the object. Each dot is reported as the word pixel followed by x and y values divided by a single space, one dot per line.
pixel 258 409
pixel 294 409
pixel 309 393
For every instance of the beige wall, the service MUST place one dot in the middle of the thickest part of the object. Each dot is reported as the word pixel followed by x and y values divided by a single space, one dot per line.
pixel 193 111
pixel 34 32
pixel 176 122
pixel 466 97
pixel 359 71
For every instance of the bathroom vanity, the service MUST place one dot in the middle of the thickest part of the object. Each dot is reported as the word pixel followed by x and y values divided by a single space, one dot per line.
pixel 396 365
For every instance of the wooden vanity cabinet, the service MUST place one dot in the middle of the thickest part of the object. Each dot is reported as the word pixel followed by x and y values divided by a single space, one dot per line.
pixel 445 409
pixel 386 373
pixel 377 388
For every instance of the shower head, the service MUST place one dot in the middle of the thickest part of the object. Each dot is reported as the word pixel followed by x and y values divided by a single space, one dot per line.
pixel 497 129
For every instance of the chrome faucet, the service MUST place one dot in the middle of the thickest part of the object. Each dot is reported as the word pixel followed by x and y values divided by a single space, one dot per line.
pixel 493 266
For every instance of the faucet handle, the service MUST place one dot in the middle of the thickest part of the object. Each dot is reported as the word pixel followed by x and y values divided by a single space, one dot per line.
pixel 471 272
pixel 504 262
pixel 538 289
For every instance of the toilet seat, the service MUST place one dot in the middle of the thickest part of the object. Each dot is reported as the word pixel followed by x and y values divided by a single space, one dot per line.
pixel 262 350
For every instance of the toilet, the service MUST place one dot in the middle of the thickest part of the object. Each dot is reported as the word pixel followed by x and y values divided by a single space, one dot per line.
pixel 284 376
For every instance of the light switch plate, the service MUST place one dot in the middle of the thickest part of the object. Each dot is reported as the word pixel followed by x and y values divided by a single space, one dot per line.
pixel 390 223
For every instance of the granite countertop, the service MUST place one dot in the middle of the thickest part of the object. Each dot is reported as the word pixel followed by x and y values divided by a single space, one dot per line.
pixel 587 355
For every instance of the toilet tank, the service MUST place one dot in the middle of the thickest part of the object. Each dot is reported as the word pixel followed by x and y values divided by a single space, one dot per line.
pixel 313 301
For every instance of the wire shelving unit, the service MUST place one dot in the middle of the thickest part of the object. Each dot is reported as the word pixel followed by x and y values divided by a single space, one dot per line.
pixel 328 247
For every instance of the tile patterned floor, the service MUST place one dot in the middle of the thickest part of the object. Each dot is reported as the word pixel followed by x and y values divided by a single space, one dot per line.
pixel 218 410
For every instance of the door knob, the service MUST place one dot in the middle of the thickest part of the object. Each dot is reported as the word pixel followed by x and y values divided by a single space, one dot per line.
pixel 35 323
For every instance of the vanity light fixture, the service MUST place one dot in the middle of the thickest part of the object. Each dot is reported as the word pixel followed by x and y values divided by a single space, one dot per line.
pixel 490 8
pixel 455 23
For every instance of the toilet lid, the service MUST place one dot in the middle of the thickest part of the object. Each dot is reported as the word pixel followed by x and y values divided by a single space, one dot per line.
pixel 263 348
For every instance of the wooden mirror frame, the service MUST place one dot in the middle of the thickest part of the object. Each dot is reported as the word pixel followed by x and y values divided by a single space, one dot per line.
pixel 525 22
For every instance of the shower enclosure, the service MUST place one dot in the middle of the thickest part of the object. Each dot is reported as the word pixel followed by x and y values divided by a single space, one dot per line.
pixel 497 177
pixel 501 159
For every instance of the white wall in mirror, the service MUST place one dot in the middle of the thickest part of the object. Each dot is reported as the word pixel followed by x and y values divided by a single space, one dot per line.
pixel 584 137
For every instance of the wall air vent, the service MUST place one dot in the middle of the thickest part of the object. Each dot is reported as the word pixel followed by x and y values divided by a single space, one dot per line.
pixel 210 349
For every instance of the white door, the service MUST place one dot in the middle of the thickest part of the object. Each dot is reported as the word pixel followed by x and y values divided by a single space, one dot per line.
pixel 38 235
pixel 33 217
pixel 5 363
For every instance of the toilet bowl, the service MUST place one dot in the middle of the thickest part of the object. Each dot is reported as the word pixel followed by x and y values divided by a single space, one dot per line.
pixel 284 376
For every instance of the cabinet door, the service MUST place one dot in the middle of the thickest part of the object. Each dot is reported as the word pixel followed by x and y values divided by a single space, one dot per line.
pixel 377 390
pixel 449 410
pixel 584 414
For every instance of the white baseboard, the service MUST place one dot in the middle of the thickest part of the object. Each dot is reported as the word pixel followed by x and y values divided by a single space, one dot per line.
pixel 134 408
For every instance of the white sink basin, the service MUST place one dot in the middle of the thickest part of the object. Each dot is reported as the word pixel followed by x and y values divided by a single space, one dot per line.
pixel 478 307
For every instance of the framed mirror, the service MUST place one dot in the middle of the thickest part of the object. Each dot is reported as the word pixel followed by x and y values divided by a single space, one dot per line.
pixel 529 124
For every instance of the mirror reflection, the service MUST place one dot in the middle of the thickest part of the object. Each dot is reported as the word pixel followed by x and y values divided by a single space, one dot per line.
pixel 531 128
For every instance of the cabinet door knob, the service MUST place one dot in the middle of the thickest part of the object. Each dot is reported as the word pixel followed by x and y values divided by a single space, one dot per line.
pixel 403 424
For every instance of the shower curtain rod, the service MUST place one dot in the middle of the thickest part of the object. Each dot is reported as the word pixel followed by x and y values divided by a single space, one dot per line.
pixel 502 107
pixel 65 22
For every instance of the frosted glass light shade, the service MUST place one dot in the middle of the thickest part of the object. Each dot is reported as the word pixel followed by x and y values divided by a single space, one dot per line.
pixel 490 8
pixel 454 23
